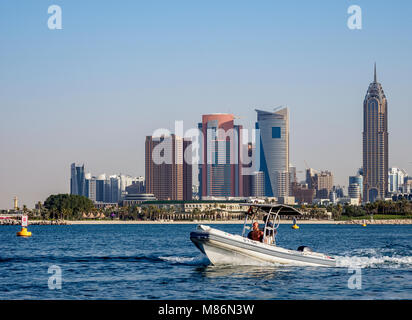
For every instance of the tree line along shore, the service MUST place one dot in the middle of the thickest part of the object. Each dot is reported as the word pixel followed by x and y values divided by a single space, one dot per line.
pixel 66 209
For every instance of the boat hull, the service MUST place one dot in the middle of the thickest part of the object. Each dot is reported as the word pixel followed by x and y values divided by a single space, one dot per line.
pixel 225 248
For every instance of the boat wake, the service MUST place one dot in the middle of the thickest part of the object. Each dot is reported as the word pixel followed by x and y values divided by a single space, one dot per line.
pixel 363 258
pixel 374 258
pixel 191 261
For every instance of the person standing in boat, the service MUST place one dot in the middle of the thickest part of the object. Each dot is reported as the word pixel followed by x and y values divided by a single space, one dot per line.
pixel 256 234
pixel 270 231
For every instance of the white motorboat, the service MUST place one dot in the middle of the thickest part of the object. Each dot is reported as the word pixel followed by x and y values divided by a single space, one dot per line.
pixel 225 248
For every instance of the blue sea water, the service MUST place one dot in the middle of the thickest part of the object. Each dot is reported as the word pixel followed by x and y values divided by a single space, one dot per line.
pixel 160 262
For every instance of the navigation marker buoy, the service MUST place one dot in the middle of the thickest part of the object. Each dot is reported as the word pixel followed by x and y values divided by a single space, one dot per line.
pixel 23 232
pixel 295 226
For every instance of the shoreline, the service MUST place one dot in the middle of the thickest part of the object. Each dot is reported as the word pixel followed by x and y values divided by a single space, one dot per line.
pixel 103 222
pixel 196 222
pixel 286 222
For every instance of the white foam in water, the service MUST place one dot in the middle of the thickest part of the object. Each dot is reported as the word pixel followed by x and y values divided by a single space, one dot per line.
pixel 204 260
pixel 184 260
pixel 373 258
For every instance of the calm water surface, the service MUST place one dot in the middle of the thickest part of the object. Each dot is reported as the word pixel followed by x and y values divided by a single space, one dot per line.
pixel 160 262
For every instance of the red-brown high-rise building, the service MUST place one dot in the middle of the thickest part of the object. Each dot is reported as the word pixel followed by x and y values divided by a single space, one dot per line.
pixel 168 176
pixel 302 194
pixel 220 173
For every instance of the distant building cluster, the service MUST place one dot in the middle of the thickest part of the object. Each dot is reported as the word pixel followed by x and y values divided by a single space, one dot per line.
pixel 398 181
pixel 104 188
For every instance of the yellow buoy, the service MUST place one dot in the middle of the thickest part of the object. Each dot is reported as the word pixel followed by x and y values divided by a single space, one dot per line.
pixel 24 233
pixel 295 225
pixel 24 223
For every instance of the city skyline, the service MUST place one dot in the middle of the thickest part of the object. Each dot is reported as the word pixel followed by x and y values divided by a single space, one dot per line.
pixel 102 188
pixel 374 88
pixel 90 92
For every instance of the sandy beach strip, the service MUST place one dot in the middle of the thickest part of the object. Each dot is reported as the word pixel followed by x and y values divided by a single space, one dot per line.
pixel 101 222
pixel 207 222
pixel 287 222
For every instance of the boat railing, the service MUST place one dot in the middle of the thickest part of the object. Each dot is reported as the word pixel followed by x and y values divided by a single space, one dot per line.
pixel 271 225
pixel 270 232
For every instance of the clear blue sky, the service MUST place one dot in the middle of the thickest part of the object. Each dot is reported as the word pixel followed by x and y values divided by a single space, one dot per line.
pixel 120 69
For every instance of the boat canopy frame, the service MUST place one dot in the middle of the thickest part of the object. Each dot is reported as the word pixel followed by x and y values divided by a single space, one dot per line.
pixel 272 221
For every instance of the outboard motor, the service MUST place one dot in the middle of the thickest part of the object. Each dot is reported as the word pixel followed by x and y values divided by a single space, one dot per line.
pixel 305 249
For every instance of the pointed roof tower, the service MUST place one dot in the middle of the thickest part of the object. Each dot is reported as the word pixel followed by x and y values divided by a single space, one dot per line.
pixel 375 88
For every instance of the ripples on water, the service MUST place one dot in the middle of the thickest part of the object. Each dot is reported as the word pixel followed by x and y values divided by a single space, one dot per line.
pixel 160 262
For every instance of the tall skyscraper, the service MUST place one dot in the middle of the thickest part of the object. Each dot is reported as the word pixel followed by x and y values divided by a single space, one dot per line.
pixel 164 167
pixel 274 151
pixel 107 191
pixel 292 178
pixel 324 183
pixel 246 167
pixel 220 169
pixel 115 191
pixel 354 191
pixel 375 143
pixel 77 180
pixel 90 187
pixel 310 178
pixel 258 184
pixel 358 179
pixel 187 170
pixel 100 188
